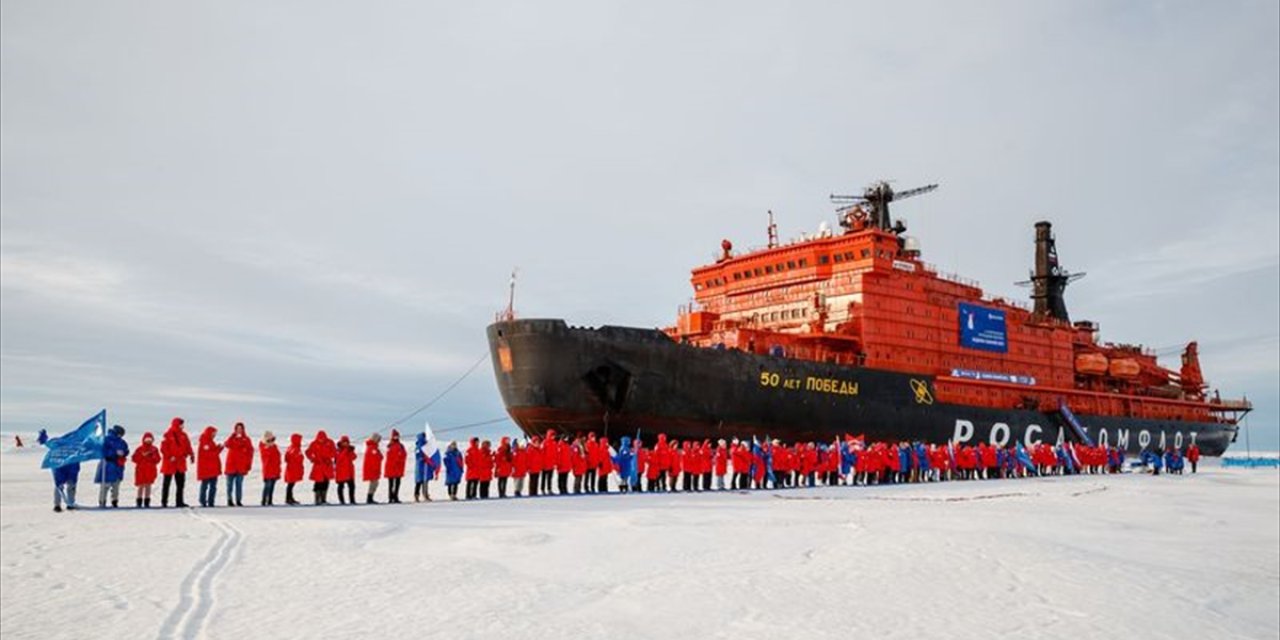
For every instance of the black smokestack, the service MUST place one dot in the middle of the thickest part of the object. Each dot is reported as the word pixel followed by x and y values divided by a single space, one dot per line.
pixel 1049 281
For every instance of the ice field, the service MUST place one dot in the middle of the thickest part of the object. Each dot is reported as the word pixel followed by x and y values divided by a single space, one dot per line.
pixel 1117 556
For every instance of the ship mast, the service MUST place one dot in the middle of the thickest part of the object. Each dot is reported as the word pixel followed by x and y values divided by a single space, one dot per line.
pixel 773 231
pixel 510 313
pixel 878 196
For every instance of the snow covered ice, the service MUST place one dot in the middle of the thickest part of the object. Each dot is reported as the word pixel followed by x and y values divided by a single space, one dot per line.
pixel 1093 556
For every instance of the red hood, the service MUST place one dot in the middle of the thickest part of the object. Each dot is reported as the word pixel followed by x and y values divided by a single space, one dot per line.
pixel 175 425
pixel 296 440
pixel 208 433
pixel 148 438
pixel 238 429
pixel 321 436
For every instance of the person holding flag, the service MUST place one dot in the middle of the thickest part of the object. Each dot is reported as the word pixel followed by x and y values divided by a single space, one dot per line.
pixel 427 456
pixel 67 451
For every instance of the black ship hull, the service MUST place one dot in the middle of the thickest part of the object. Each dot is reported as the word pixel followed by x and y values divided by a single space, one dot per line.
pixel 618 381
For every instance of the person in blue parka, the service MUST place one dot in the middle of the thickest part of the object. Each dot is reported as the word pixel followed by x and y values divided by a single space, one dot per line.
pixel 115 451
pixel 922 462
pixel 452 469
pixel 846 461
pixel 42 437
pixel 64 485
pixel 625 461
pixel 1154 460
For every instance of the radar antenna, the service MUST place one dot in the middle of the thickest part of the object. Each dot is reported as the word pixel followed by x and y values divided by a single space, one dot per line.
pixel 877 196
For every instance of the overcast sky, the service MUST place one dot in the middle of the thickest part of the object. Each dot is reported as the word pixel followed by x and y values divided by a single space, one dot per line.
pixel 304 214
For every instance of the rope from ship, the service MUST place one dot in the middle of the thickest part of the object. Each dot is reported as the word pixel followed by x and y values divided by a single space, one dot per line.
pixel 473 425
pixel 440 395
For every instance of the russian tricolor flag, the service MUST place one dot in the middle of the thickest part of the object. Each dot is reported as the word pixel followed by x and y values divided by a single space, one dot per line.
pixel 431 449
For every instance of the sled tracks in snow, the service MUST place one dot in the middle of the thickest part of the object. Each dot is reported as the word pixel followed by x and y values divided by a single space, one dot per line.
pixel 191 616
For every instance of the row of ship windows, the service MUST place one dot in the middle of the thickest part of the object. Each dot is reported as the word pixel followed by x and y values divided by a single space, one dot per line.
pixel 771 269
pixel 784 314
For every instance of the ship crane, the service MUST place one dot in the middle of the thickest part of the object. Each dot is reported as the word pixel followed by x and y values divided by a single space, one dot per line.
pixel 877 196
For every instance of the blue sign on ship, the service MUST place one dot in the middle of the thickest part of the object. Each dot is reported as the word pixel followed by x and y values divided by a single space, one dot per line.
pixel 983 328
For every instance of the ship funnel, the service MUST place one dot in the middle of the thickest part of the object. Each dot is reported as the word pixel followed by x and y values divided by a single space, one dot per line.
pixel 1049 280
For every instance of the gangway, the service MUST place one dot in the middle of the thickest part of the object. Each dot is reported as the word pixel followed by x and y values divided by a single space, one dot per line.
pixel 1073 422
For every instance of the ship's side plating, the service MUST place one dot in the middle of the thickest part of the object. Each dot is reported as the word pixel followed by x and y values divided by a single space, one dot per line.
pixel 618 380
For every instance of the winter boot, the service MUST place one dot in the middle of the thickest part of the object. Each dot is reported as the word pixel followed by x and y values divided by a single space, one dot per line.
pixel 115 504
pixel 139 503
pixel 146 503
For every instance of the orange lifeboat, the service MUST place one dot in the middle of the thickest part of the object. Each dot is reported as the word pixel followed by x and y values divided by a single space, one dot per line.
pixel 1092 364
pixel 1125 368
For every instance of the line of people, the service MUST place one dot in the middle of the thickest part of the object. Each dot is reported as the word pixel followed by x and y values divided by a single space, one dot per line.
pixel 560 464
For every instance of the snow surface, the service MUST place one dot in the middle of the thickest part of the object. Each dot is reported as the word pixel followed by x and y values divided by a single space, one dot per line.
pixel 1118 556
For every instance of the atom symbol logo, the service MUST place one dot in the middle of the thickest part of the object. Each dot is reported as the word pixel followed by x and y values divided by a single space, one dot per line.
pixel 921 389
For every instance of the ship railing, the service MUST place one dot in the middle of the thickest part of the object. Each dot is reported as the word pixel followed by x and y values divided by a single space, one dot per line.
pixel 951 277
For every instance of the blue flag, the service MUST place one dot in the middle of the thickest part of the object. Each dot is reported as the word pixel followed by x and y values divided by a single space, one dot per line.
pixel 1024 458
pixel 85 443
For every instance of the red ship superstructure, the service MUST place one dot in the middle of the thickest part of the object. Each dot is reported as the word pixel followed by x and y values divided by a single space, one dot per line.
pixel 864 298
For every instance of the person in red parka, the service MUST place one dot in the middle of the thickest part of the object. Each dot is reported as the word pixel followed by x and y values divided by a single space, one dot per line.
pixel 590 462
pixel 175 452
pixel 208 466
pixel 372 471
pixel 270 454
pixel 484 475
pixel 741 467
pixel 471 470
pixel 503 465
pixel 321 452
pixel 394 469
pixel 605 466
pixel 344 471
pixel 239 461
pixel 550 459
pixel 145 460
pixel 519 466
pixel 721 463
pixel 533 461
pixel 564 464
pixel 578 464
pixel 1193 455
pixel 293 467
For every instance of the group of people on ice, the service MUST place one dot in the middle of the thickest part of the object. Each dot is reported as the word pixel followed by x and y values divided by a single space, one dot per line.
pixel 558 464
